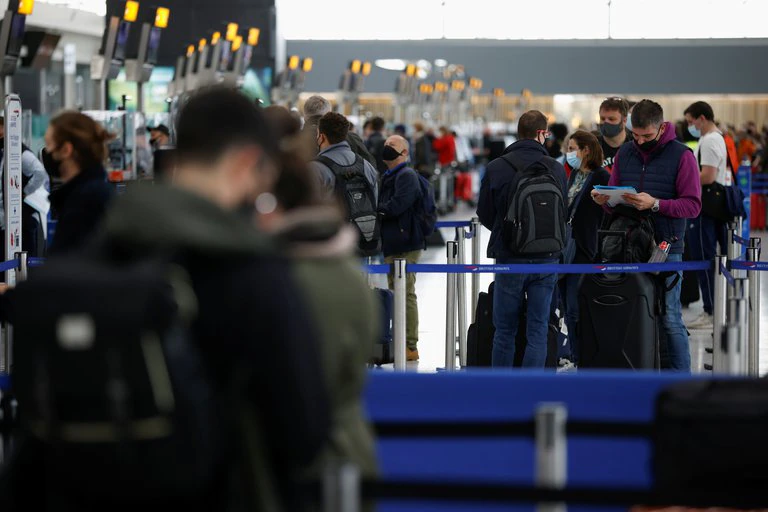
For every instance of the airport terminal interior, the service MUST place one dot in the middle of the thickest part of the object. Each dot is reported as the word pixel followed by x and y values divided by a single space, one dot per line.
pixel 348 256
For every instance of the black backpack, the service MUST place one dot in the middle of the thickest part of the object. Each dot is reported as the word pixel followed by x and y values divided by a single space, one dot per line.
pixel 628 236
pixel 356 193
pixel 110 383
pixel 534 224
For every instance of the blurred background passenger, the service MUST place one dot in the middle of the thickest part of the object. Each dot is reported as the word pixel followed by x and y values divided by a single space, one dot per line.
pixel 77 146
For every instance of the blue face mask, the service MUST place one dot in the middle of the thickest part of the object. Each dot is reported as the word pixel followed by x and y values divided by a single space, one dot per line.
pixel 695 132
pixel 573 160
pixel 629 122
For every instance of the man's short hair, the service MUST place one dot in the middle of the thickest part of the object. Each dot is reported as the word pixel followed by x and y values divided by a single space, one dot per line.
pixel 377 124
pixel 316 106
pixel 619 104
pixel 334 126
pixel 530 124
pixel 238 121
pixel 647 113
pixel 700 108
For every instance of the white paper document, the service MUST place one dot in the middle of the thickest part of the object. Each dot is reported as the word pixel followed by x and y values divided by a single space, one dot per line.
pixel 615 193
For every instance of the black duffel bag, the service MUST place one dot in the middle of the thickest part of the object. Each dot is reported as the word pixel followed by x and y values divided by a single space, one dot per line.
pixel 711 434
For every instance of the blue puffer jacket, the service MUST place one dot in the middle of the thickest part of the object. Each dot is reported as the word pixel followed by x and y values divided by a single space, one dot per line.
pixel 399 198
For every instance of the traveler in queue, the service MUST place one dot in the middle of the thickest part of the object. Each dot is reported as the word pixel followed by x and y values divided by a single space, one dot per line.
pixel 254 328
pixel 316 107
pixel 526 157
pixel 614 114
pixel 401 235
pixel 321 246
pixel 331 138
pixel 77 148
pixel 33 178
pixel 707 231
pixel 585 157
pixel 666 176
pixel 375 142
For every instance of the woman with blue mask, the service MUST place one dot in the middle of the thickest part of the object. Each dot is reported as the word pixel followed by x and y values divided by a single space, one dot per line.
pixel 585 158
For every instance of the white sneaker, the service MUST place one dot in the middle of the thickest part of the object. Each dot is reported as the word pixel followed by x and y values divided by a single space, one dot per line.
pixel 565 365
pixel 703 321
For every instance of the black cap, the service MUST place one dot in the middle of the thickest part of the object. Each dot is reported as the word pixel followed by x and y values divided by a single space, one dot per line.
pixel 159 128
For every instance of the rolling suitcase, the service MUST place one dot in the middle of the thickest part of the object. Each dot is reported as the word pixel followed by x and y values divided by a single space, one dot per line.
pixel 618 326
pixel 383 351
pixel 618 323
pixel 689 289
pixel 463 191
pixel 480 335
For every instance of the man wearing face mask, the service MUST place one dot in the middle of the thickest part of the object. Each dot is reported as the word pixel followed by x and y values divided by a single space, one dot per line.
pixel 401 236
pixel 666 176
pixel 614 114
pixel 708 229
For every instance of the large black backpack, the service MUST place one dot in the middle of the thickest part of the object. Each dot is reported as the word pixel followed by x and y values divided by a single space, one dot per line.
pixel 627 236
pixel 356 193
pixel 534 224
pixel 110 383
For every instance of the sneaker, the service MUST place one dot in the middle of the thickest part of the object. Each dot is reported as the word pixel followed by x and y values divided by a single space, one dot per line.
pixel 565 365
pixel 703 321
pixel 412 354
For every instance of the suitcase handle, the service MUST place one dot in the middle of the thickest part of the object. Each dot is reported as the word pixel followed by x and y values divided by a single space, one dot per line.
pixel 602 234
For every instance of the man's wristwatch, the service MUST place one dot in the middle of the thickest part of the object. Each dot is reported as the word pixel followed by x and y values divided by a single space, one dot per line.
pixel 655 207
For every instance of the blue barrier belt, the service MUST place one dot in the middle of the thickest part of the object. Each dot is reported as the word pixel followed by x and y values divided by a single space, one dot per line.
pixel 727 274
pixel 749 265
pixel 9 265
pixel 5 382
pixel 35 262
pixel 377 269
pixel 741 241
pixel 547 268
pixel 453 224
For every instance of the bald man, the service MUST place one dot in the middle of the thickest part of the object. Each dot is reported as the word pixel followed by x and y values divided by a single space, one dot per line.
pixel 400 203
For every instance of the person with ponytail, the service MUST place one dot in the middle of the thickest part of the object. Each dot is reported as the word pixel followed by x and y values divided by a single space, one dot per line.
pixel 77 146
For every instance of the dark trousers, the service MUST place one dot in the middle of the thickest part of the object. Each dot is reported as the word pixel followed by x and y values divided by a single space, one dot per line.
pixel 704 234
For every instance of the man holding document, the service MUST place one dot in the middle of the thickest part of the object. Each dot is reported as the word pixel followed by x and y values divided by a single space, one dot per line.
pixel 665 178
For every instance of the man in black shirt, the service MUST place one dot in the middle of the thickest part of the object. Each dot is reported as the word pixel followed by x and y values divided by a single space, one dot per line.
pixel 613 128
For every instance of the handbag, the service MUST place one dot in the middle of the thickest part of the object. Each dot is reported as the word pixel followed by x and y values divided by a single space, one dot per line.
pixel 721 202
pixel 569 251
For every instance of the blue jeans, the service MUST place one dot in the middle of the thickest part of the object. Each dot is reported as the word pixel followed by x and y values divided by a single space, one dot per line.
pixel 676 352
pixel 704 233
pixel 570 297
pixel 509 294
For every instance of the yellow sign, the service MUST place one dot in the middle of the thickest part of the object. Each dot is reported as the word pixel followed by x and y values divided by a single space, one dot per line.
pixel 293 62
pixel 216 37
pixel 410 69
pixel 161 17
pixel 306 65
pixel 356 65
pixel 366 68
pixel 253 36
pixel 232 32
pixel 25 7
pixel 190 50
pixel 131 11
pixel 498 92
pixel 201 45
pixel 237 43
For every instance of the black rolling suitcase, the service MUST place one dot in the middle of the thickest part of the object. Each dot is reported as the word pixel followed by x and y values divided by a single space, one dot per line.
pixel 480 335
pixel 383 351
pixel 618 323
pixel 689 289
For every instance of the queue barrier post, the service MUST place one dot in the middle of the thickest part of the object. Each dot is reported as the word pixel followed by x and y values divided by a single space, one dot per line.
pixel 450 310
pixel 753 344
pixel 551 451
pixel 734 336
pixel 718 314
pixel 461 292
pixel 399 314
pixel 341 488
pixel 475 261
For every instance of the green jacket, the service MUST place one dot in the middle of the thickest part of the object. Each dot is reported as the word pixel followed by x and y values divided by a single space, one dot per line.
pixel 347 315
